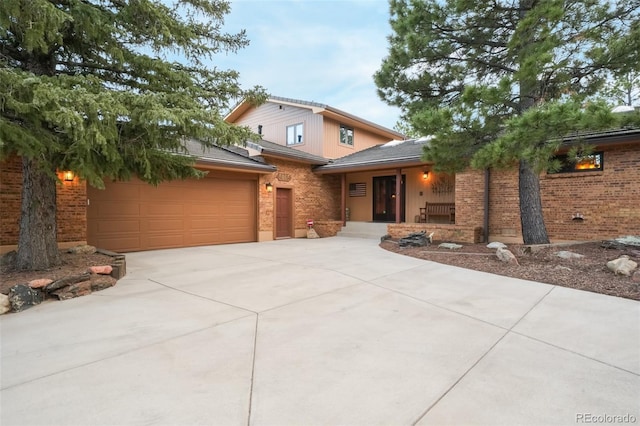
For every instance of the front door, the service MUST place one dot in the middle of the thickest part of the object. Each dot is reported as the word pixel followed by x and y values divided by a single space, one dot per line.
pixel 284 208
pixel 384 199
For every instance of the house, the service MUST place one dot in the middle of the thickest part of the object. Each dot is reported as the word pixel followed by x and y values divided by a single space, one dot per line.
pixel 596 198
pixel 259 192
pixel 317 162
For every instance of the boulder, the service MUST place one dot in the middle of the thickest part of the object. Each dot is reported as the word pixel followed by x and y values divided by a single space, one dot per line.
pixel 22 297
pixel 82 249
pixel 564 254
pixel 496 245
pixel 506 256
pixel 39 283
pixel 102 270
pixel 96 283
pixel 622 266
pixel 416 239
pixel 72 279
pixel 450 246
pixel 5 305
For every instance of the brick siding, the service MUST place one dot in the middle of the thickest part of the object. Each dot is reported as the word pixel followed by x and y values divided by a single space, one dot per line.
pixel 71 206
pixel 316 197
pixel 441 232
pixel 609 200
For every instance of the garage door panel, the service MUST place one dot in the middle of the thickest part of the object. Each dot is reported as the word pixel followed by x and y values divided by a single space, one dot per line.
pixel 122 209
pixel 132 216
pixel 174 225
pixel 118 226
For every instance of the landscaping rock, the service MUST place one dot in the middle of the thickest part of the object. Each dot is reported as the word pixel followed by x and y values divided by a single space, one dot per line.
pixel 629 240
pixel 62 282
pixel 84 287
pixel 22 297
pixel 450 246
pixel 5 305
pixel 564 254
pixel 622 266
pixel 102 270
pixel 82 249
pixel 496 245
pixel 636 277
pixel 416 239
pixel 39 283
pixel 506 256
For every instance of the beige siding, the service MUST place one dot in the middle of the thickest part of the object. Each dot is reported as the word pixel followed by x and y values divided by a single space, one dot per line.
pixel 417 191
pixel 275 118
pixel 362 139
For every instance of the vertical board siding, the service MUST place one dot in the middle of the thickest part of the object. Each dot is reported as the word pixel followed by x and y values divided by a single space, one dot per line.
pixel 362 139
pixel 274 121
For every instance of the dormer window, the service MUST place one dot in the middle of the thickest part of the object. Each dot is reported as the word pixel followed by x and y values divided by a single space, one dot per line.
pixel 294 134
pixel 346 135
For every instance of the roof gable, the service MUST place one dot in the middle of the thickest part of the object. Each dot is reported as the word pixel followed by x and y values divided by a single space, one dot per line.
pixel 321 109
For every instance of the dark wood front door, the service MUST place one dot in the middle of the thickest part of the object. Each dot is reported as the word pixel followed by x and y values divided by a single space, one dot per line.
pixel 284 208
pixel 384 199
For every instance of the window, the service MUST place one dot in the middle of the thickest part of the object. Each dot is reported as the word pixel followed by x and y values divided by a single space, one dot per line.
pixel 587 163
pixel 346 135
pixel 294 134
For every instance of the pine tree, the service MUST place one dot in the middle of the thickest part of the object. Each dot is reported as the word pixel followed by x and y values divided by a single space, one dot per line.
pixel 500 82
pixel 109 89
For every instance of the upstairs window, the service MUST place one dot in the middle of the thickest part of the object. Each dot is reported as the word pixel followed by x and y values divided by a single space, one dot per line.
pixel 587 163
pixel 294 134
pixel 346 135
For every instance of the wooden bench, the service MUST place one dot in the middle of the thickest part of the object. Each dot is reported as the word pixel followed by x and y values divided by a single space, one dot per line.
pixel 438 209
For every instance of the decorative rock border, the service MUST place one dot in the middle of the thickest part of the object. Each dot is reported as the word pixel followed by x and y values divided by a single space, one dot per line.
pixel 24 296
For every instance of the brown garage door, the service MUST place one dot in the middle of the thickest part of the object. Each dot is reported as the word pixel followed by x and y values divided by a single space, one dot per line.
pixel 132 216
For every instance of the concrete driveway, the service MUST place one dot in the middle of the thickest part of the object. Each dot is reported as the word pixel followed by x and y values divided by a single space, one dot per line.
pixel 333 331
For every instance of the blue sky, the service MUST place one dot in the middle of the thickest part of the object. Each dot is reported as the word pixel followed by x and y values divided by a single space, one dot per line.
pixel 314 50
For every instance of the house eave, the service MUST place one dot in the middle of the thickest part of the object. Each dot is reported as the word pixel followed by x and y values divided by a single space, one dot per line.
pixel 370 166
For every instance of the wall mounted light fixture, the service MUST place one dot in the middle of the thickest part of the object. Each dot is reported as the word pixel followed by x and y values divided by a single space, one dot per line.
pixel 269 187
pixel 425 175
pixel 68 175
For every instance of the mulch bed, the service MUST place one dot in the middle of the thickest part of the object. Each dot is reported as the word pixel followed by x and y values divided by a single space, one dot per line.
pixel 589 273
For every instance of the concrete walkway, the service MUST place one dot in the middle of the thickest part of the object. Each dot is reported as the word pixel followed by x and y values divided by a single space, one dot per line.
pixel 333 331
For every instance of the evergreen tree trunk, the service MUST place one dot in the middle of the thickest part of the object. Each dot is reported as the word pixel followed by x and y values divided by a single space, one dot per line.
pixel 534 230
pixel 37 241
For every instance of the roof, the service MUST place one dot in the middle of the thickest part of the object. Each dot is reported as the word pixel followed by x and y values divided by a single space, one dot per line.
pixel 390 155
pixel 231 157
pixel 276 150
pixel 321 109
pixel 605 137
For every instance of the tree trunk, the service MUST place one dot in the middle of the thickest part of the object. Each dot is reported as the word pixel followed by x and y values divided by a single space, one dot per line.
pixel 534 230
pixel 37 241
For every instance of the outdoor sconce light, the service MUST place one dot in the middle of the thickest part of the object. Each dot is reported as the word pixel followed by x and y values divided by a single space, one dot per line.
pixel 425 175
pixel 269 187
pixel 68 175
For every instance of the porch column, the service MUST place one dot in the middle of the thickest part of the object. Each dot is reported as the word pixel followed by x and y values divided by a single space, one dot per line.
pixel 343 198
pixel 398 193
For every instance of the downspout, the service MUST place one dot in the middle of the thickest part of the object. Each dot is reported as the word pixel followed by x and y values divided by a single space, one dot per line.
pixel 343 198
pixel 485 225
pixel 398 193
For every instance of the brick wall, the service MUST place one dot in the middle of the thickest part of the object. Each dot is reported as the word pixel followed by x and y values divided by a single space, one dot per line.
pixel 316 197
pixel 609 200
pixel 327 228
pixel 71 206
pixel 470 198
pixel 442 232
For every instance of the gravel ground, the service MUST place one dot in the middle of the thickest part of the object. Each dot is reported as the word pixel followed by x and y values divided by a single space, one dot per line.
pixel 589 273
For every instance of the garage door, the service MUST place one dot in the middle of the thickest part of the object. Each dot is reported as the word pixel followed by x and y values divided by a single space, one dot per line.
pixel 133 216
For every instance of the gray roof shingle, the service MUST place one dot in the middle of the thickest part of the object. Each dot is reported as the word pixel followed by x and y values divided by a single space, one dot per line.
pixel 229 156
pixel 390 154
